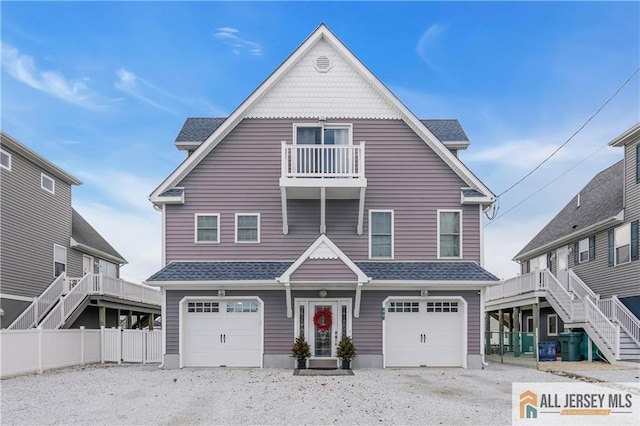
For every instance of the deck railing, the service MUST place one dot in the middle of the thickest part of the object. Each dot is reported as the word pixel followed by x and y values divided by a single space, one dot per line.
pixel 608 332
pixel 323 161
pixel 102 285
pixel 532 281
pixel 617 312
pixel 579 288
pixel 40 305
pixel 558 294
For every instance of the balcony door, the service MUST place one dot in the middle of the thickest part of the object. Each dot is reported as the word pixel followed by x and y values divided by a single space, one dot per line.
pixel 319 154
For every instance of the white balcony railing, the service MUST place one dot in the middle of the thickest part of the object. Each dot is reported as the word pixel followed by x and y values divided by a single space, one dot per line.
pixel 614 310
pixel 92 284
pixel 323 161
pixel 525 283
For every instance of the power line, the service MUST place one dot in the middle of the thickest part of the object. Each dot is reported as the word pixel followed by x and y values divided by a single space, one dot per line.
pixel 550 182
pixel 573 135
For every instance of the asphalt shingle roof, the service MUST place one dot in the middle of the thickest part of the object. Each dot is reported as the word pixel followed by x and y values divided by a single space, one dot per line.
pixel 600 199
pixel 243 271
pixel 448 130
pixel 197 129
pixel 85 234
pixel 469 192
pixel 173 192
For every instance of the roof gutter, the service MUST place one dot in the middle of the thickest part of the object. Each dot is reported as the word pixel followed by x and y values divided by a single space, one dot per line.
pixel 627 137
pixel 598 226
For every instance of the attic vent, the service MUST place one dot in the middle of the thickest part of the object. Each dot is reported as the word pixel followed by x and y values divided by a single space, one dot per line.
pixel 323 64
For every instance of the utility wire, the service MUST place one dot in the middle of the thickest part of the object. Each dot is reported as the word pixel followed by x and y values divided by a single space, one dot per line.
pixel 571 137
pixel 550 182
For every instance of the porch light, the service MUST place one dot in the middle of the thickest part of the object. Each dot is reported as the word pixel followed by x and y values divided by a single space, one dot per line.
pixel 220 293
pixel 424 293
pixel 322 293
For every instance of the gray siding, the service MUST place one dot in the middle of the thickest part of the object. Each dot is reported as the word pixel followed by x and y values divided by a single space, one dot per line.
pixel 278 329
pixel 632 189
pixel 32 220
pixel 242 175
pixel 323 270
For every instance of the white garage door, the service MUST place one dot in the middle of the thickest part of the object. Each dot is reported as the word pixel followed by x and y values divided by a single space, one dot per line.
pixel 425 333
pixel 221 333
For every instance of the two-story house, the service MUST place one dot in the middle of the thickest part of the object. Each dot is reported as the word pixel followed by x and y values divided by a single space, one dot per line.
pixel 49 252
pixel 582 270
pixel 322 207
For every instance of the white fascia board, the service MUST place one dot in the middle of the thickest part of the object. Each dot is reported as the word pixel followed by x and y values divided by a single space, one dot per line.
pixel 187 145
pixel 158 200
pixel 459 145
pixel 596 227
pixel 627 137
pixel 95 252
pixel 428 285
pixel 322 32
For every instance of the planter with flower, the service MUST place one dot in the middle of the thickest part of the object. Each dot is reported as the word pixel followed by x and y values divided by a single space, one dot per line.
pixel 346 351
pixel 301 351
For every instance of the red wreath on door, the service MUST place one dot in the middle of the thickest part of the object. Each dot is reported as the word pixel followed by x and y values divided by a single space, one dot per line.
pixel 322 320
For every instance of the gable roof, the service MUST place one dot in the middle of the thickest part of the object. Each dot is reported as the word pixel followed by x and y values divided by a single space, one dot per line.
pixel 26 152
pixel 85 238
pixel 601 200
pixel 629 136
pixel 321 33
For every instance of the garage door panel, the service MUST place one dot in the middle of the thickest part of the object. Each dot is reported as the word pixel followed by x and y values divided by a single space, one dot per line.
pixel 232 336
pixel 432 336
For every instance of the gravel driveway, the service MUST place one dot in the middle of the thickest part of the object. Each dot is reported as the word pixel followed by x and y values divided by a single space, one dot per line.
pixel 144 395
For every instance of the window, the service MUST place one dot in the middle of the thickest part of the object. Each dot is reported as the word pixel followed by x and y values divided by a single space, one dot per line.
pixel 449 232
pixel 47 183
pixel 552 325
pixel 583 250
pixel 5 160
pixel 381 234
pixel 207 228
pixel 312 157
pixel 622 241
pixel 242 306
pixel 442 306
pixel 404 307
pixel 107 268
pixel 202 307
pixel 59 260
pixel 247 228
pixel 529 324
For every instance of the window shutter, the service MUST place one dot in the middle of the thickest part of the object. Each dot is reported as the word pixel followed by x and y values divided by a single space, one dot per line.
pixel 634 240
pixel 576 252
pixel 549 261
pixel 638 163
pixel 610 248
pixel 592 247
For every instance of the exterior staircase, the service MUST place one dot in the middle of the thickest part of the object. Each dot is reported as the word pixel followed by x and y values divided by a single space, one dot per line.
pixel 610 325
pixel 62 300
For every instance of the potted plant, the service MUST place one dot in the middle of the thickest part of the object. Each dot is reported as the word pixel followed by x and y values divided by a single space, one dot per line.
pixel 346 350
pixel 301 351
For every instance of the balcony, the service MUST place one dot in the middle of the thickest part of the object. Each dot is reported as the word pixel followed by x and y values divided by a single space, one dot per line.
pixel 323 172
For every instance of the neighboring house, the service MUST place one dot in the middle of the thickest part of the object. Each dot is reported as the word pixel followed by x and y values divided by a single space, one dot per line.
pixel 582 270
pixel 322 206
pixel 47 248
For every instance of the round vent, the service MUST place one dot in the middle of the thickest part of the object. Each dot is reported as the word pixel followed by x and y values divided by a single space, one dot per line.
pixel 323 64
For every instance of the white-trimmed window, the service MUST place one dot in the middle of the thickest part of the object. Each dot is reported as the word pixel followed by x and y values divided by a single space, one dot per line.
pixel 442 306
pixel 5 159
pixel 47 183
pixel 247 227
pixel 207 228
pixel 449 233
pixel 203 307
pixel 381 234
pixel 583 250
pixel 622 241
pixel 552 325
pixel 242 306
pixel 311 156
pixel 404 307
pixel 107 268
pixel 59 260
pixel 528 320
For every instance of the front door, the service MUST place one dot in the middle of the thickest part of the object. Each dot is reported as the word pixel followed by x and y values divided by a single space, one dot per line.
pixel 324 329
pixel 87 265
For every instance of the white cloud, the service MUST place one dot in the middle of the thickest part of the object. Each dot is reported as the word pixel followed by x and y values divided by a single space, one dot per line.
pixel 230 37
pixel 429 43
pixel 130 84
pixel 22 67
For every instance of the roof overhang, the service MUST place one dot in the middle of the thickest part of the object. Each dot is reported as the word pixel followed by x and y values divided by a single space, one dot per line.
pixel 188 146
pixel 627 137
pixel 13 144
pixel 460 145
pixel 95 252
pixel 596 227
pixel 428 285
pixel 255 285
pixel 168 199
pixel 484 200
pixel 322 32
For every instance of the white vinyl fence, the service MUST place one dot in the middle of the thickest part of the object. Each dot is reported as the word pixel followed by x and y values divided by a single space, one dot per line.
pixel 37 350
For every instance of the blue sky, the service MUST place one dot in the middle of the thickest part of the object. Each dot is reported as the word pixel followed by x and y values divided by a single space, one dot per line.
pixel 102 89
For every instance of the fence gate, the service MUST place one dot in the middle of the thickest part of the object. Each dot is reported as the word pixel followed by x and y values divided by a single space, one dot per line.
pixel 120 345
